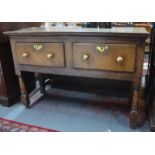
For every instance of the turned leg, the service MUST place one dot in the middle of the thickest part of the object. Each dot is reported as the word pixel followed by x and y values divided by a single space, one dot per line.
pixel 42 83
pixel 141 111
pixel 142 104
pixel 24 94
pixel 134 108
pixel 29 79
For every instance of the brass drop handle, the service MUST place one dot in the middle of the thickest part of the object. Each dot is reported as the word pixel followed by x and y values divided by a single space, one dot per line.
pixel 85 57
pixel 49 56
pixel 37 47
pixel 25 55
pixel 119 59
pixel 102 49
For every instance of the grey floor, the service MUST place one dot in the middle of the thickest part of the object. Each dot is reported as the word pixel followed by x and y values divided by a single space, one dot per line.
pixel 65 110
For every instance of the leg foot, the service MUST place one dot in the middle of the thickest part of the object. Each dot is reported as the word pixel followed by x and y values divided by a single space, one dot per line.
pixel 133 118
pixel 25 99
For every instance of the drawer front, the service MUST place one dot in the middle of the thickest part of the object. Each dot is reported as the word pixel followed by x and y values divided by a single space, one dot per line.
pixel 110 57
pixel 43 54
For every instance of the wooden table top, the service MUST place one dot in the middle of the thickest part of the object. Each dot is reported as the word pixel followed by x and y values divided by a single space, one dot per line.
pixel 81 31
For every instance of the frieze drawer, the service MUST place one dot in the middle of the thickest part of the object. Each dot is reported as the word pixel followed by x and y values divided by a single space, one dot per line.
pixel 110 57
pixel 42 54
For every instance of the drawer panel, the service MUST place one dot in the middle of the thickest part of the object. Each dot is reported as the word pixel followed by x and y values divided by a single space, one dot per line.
pixel 110 57
pixel 43 54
